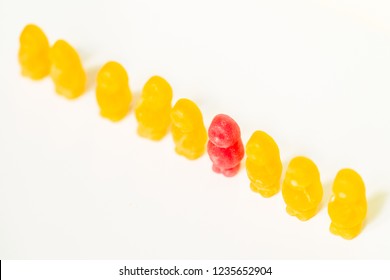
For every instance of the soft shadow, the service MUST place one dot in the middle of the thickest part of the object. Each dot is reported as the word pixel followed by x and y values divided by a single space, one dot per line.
pixel 242 166
pixel 327 187
pixel 136 96
pixel 375 205
pixel 91 76
pixel 84 54
pixel 285 163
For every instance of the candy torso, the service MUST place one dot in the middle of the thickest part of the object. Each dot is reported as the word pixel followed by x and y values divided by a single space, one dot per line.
pixel 263 164
pixel 112 91
pixel 347 207
pixel 302 189
pixel 34 53
pixel 154 108
pixel 67 71
pixel 188 130
pixel 225 146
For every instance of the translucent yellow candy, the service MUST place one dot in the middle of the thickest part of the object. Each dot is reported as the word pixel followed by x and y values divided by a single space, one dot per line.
pixel 153 109
pixel 188 130
pixel 263 164
pixel 112 91
pixel 348 205
pixel 34 53
pixel 302 189
pixel 66 71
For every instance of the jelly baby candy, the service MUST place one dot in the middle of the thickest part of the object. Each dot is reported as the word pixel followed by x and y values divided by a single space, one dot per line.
pixel 263 164
pixel 112 91
pixel 225 147
pixel 154 108
pixel 302 189
pixel 348 205
pixel 66 71
pixel 34 53
pixel 188 130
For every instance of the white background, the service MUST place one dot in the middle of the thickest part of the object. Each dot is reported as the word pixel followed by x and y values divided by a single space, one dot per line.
pixel 313 74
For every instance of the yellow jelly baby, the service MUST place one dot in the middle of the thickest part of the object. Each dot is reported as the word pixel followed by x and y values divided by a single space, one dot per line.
pixel 263 164
pixel 153 109
pixel 302 189
pixel 34 53
pixel 348 205
pixel 188 130
pixel 66 71
pixel 112 91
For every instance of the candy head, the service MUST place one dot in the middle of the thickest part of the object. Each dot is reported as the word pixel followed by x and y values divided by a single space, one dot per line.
pixel 157 92
pixel 348 187
pixel 301 173
pixel 63 56
pixel 224 131
pixel 34 53
pixel 261 148
pixel 186 115
pixel 112 76
pixel 32 39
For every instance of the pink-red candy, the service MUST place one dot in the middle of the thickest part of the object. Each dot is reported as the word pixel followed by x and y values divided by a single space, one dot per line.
pixel 225 146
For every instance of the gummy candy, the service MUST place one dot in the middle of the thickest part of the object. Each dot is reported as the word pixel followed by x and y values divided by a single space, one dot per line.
pixel 34 53
pixel 263 164
pixel 66 71
pixel 302 189
pixel 154 108
pixel 225 147
pixel 188 130
pixel 112 91
pixel 348 205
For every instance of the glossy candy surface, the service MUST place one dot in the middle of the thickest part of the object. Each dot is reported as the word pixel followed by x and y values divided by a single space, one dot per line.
pixel 263 164
pixel 188 130
pixel 34 53
pixel 348 205
pixel 225 146
pixel 112 91
pixel 302 190
pixel 67 71
pixel 154 108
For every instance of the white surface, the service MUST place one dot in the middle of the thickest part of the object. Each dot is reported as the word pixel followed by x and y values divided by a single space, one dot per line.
pixel 313 74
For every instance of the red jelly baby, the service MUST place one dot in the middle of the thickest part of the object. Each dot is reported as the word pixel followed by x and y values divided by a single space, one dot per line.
pixel 225 146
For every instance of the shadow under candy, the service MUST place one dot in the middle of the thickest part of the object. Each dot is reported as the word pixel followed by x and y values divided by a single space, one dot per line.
pixel 375 205
pixel 327 188
pixel 91 77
